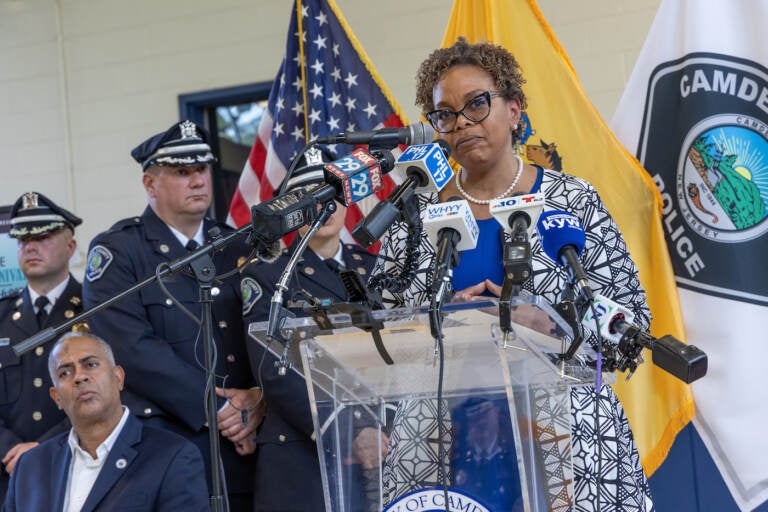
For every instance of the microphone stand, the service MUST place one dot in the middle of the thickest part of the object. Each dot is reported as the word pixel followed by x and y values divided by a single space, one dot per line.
pixel 201 264
pixel 517 269
pixel 277 312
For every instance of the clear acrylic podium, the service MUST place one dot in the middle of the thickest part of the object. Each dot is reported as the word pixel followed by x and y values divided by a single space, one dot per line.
pixel 505 407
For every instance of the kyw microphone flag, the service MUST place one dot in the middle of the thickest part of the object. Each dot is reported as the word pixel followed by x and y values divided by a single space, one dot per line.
pixel 695 113
pixel 326 84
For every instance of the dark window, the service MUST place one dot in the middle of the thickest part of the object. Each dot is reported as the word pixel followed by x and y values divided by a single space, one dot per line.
pixel 232 116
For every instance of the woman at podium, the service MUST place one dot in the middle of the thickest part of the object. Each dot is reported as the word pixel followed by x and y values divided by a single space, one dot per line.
pixel 472 95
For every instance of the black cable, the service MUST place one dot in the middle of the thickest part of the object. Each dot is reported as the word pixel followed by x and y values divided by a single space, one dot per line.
pixel 598 385
pixel 400 282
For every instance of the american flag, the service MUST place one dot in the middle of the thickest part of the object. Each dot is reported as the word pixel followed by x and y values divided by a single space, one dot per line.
pixel 326 84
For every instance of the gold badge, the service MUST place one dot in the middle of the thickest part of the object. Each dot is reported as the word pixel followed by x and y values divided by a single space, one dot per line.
pixel 69 313
pixel 361 271
pixel 29 200
pixel 75 301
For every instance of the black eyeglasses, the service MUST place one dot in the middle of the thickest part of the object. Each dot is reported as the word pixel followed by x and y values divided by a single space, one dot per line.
pixel 476 110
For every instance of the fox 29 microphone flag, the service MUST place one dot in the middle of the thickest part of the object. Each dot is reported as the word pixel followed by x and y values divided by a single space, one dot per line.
pixel 564 132
pixel 326 84
pixel 695 113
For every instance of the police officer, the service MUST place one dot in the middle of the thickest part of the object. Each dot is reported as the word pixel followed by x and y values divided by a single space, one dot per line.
pixel 45 235
pixel 286 448
pixel 161 347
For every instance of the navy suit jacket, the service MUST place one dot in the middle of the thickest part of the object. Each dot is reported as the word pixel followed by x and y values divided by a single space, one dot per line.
pixel 147 470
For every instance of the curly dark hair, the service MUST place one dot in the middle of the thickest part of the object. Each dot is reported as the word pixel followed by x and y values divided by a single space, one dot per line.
pixel 493 59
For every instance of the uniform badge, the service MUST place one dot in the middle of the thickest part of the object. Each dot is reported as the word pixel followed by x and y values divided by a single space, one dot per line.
pixel 75 301
pixel 251 291
pixel 98 260
pixel 361 271
pixel 357 257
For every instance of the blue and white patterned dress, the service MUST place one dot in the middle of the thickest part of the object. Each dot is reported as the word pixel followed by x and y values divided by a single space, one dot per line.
pixel 622 485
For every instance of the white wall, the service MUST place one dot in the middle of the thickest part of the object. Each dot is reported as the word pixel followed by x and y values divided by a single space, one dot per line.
pixel 83 81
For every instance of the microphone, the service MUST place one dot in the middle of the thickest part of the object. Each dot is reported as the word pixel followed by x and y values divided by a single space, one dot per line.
pixel 349 179
pixel 413 134
pixel 425 168
pixel 451 228
pixel 686 362
pixel 357 175
pixel 518 214
pixel 562 239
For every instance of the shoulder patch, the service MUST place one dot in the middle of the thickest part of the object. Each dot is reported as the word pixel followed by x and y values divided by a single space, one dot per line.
pixel 251 291
pixel 98 260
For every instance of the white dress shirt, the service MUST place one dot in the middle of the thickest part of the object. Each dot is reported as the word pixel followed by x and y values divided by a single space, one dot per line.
pixel 84 469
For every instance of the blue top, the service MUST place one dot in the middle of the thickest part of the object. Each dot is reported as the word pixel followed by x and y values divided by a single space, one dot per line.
pixel 485 260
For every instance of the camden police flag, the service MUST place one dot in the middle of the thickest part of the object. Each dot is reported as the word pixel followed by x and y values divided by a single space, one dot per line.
pixel 326 84
pixel 695 113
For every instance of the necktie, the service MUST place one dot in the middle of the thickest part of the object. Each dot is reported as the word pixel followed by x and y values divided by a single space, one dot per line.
pixel 333 265
pixel 192 245
pixel 42 314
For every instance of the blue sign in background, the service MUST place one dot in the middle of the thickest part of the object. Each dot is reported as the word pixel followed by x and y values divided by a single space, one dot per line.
pixel 11 277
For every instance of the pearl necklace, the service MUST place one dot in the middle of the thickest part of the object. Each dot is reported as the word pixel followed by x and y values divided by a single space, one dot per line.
pixel 503 194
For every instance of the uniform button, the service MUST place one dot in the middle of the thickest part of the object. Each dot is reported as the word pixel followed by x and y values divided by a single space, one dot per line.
pixel 37 382
pixel 357 415
pixel 222 324
pixel 168 302
pixel 309 271
pixel 16 315
pixel 148 410
pixel 39 351
pixel 37 416
pixel 312 437
pixel 231 358
pixel 281 437
pixel 215 291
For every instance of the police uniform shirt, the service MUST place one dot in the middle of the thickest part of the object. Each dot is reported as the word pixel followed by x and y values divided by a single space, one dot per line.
pixel 52 295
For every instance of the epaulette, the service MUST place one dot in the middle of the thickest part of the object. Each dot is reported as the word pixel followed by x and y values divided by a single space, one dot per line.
pixel 12 295
pixel 125 223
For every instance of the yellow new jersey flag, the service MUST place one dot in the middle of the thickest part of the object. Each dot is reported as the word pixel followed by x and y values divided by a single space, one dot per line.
pixel 568 134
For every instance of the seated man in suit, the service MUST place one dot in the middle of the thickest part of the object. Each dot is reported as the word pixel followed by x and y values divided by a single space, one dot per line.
pixel 108 461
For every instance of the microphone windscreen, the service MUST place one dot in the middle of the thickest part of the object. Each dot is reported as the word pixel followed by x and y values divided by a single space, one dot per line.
pixel 558 229
pixel 453 214
pixel 420 133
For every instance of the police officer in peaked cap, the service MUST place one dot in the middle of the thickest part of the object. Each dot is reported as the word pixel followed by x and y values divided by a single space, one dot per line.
pixel 287 452
pixel 160 347
pixel 45 235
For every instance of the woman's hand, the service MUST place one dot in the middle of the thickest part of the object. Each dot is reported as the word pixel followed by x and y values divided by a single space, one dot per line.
pixel 476 291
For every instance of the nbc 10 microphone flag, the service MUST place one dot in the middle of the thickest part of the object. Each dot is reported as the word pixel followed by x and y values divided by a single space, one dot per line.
pixel 326 84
